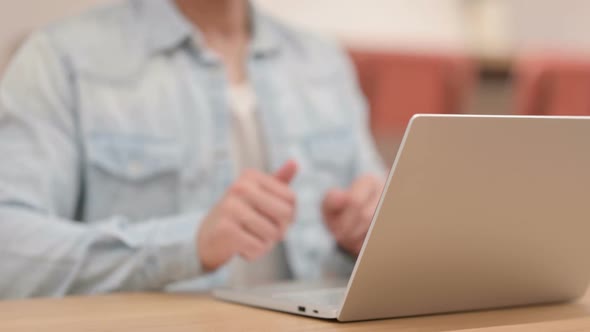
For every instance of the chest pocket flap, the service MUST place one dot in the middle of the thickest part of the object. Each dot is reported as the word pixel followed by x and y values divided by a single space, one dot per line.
pixel 134 158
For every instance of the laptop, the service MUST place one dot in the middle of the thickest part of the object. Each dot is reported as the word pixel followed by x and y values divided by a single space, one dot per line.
pixel 479 212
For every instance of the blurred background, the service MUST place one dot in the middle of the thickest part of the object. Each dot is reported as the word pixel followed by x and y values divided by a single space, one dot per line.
pixel 422 56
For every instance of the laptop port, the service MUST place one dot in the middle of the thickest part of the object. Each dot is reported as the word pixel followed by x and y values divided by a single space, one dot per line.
pixel 301 309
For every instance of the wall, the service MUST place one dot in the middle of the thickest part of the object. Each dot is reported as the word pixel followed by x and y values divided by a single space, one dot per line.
pixel 365 23
pixel 495 27
pixel 18 17
pixel 485 27
pixel 379 23
pixel 550 24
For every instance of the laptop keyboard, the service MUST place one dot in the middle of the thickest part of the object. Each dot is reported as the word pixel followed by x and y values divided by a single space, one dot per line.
pixel 326 297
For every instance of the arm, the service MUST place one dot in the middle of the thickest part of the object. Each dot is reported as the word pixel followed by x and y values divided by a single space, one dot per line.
pixel 43 252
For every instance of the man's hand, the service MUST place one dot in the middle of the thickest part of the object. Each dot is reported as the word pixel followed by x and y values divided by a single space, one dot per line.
pixel 348 213
pixel 250 219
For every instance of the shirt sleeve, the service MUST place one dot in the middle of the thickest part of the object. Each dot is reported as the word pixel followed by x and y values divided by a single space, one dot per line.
pixel 43 251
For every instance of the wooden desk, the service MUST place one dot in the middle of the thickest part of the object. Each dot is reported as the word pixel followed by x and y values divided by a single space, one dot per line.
pixel 165 313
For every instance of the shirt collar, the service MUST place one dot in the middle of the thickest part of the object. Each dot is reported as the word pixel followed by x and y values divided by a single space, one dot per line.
pixel 165 28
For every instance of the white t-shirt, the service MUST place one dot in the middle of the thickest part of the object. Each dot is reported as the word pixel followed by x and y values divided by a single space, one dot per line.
pixel 248 152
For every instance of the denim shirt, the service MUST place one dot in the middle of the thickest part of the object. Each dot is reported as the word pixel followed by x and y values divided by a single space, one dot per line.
pixel 114 145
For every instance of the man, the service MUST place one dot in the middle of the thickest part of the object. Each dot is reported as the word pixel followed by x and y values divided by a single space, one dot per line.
pixel 152 142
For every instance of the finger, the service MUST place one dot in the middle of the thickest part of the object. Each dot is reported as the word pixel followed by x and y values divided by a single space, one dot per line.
pixel 354 246
pixel 336 200
pixel 363 190
pixel 250 247
pixel 274 186
pixel 368 211
pixel 359 247
pixel 362 227
pixel 287 172
pixel 255 223
pixel 360 195
pixel 277 210
pixel 333 207
pixel 365 219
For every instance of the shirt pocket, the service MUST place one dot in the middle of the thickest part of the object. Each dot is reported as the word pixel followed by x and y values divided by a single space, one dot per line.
pixel 133 176
pixel 329 155
pixel 330 147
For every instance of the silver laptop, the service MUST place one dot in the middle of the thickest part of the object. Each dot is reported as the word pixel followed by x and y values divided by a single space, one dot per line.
pixel 479 212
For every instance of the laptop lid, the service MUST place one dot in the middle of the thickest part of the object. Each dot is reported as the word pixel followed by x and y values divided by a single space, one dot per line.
pixel 479 212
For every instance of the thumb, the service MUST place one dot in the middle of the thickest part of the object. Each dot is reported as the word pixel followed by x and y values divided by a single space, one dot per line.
pixel 286 173
pixel 335 201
